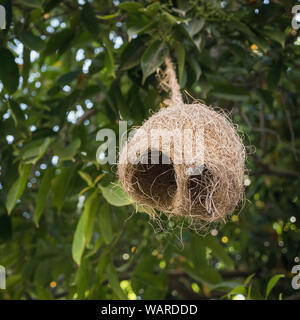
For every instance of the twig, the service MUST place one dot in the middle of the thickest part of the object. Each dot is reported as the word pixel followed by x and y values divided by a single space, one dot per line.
pixel 277 172
pixel 225 274
pixel 87 115
pixel 115 242
pixel 293 297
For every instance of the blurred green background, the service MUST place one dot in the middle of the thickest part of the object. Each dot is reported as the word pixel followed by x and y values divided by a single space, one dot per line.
pixel 70 68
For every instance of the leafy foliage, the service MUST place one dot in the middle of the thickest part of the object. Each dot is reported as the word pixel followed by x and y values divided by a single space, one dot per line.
pixel 68 68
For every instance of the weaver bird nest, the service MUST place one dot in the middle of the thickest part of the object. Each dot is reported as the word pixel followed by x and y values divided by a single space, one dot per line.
pixel 204 179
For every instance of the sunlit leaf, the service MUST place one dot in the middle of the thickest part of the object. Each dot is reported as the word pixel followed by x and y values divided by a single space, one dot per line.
pixel 105 223
pixel 115 195
pixel 272 282
pixel 42 195
pixel 78 241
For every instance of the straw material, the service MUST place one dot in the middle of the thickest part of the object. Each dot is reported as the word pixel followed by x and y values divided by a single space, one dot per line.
pixel 206 196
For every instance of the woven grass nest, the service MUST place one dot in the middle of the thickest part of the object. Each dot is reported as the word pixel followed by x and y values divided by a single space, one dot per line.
pixel 208 195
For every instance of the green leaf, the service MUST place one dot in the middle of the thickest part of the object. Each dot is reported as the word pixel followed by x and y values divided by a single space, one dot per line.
pixel 153 57
pixel 59 42
pixel 105 223
pixel 43 273
pixel 114 281
pixel 152 9
pixel 85 226
pixel 248 280
pixel 145 209
pixel 9 71
pixel 48 5
pixel 195 66
pixel 33 151
pixel 89 19
pixel 32 41
pixel 95 249
pixel 96 66
pixel 67 77
pixel 139 22
pixel 272 282
pixel 16 113
pixel 168 17
pixel 144 276
pixel 43 292
pixel 199 268
pixel 132 54
pixel 103 261
pixel 109 58
pixel 13 280
pixel 196 252
pixel 194 27
pixel 32 3
pixel 86 177
pixel 91 207
pixel 239 25
pixel 82 278
pixel 275 34
pixel 67 152
pixel 205 275
pixel 273 76
pixel 139 28
pixel 225 285
pixel 130 6
pixel 238 290
pixel 17 189
pixel 115 195
pixel 42 195
pixel 60 187
pixel 26 66
pixel 78 241
pixel 108 16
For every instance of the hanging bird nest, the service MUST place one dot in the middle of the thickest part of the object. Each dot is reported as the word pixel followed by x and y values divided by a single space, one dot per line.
pixel 206 190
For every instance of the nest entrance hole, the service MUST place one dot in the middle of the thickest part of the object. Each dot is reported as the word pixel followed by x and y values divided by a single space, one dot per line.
pixel 155 182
